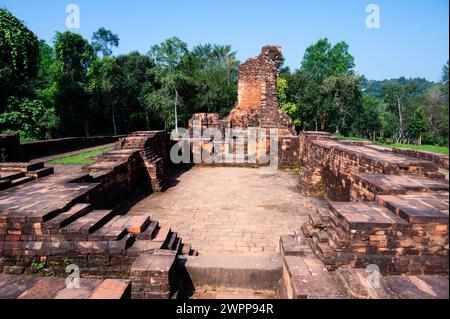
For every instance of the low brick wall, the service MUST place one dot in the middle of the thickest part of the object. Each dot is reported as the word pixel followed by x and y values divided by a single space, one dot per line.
pixel 440 159
pixel 328 166
pixel 11 150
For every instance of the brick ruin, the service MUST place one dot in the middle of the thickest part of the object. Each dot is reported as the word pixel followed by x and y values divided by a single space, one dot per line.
pixel 68 218
pixel 257 107
pixel 257 94
pixel 385 207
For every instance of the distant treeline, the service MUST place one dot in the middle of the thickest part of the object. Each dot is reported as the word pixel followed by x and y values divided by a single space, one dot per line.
pixel 326 94
pixel 76 87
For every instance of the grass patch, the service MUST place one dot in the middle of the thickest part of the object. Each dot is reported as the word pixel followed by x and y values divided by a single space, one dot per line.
pixel 349 138
pixel 82 158
pixel 429 148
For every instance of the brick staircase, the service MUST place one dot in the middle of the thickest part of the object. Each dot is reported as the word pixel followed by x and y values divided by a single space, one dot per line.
pixel 81 224
pixel 155 168
pixel 305 276
pixel 27 287
pixel 15 174
pixel 400 235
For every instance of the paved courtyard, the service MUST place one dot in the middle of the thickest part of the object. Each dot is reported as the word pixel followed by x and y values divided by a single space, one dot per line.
pixel 230 210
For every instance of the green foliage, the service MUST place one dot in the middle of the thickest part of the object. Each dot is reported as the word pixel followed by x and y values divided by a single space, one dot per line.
pixel 374 88
pixel 103 41
pixel 324 94
pixel 19 56
pixel 290 108
pixel 76 88
pixel 29 118
pixel 73 54
pixel 322 60
pixel 82 158
pixel 418 124
pixel 38 266
pixel 428 148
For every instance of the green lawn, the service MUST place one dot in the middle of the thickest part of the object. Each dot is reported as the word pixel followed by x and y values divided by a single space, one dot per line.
pixel 429 148
pixel 349 138
pixel 82 158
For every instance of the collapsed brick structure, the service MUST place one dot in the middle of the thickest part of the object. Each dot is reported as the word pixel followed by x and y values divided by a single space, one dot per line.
pixel 257 107
pixel 67 217
pixel 257 94
pixel 395 213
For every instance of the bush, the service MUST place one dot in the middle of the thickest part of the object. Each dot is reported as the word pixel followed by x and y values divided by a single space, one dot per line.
pixel 28 118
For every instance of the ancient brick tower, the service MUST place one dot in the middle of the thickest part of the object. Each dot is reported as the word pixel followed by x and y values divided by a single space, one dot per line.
pixel 257 94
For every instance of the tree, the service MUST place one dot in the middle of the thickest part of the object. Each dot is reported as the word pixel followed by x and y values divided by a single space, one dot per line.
pixel 369 121
pixel 445 73
pixel 397 97
pixel 73 58
pixel 290 108
pixel 343 99
pixel 418 125
pixel 29 118
pixel 327 89
pixel 322 60
pixel 213 71
pixel 103 41
pixel 19 56
pixel 168 57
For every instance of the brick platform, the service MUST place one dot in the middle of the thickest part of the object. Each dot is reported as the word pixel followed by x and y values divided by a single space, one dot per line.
pixel 23 287
pixel 401 238
pixel 63 218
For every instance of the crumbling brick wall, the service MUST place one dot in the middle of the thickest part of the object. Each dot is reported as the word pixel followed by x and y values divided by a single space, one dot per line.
pixel 329 167
pixel 257 94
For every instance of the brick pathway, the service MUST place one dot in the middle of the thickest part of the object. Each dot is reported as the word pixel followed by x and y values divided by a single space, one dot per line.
pixel 231 210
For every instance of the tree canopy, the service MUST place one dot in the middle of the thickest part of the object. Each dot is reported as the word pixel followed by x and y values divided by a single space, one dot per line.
pixel 73 87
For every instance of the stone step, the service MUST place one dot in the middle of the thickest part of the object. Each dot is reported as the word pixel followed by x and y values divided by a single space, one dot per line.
pixel 149 233
pixel 382 184
pixel 88 223
pixel 186 249
pixel 305 277
pixel 316 221
pixel 365 216
pixel 238 271
pixel 308 230
pixel 171 241
pixel 321 237
pixel 357 284
pixel 178 245
pixel 417 287
pixel 40 172
pixel 7 175
pixel 62 220
pixel 323 286
pixel 21 167
pixel 420 208
pixel 290 247
pixel 20 181
pixel 109 233
pixel 207 293
pixel 136 224
pixel 325 214
pixel 162 234
pixel 28 287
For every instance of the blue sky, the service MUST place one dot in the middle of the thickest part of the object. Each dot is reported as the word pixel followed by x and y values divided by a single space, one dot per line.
pixel 413 39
